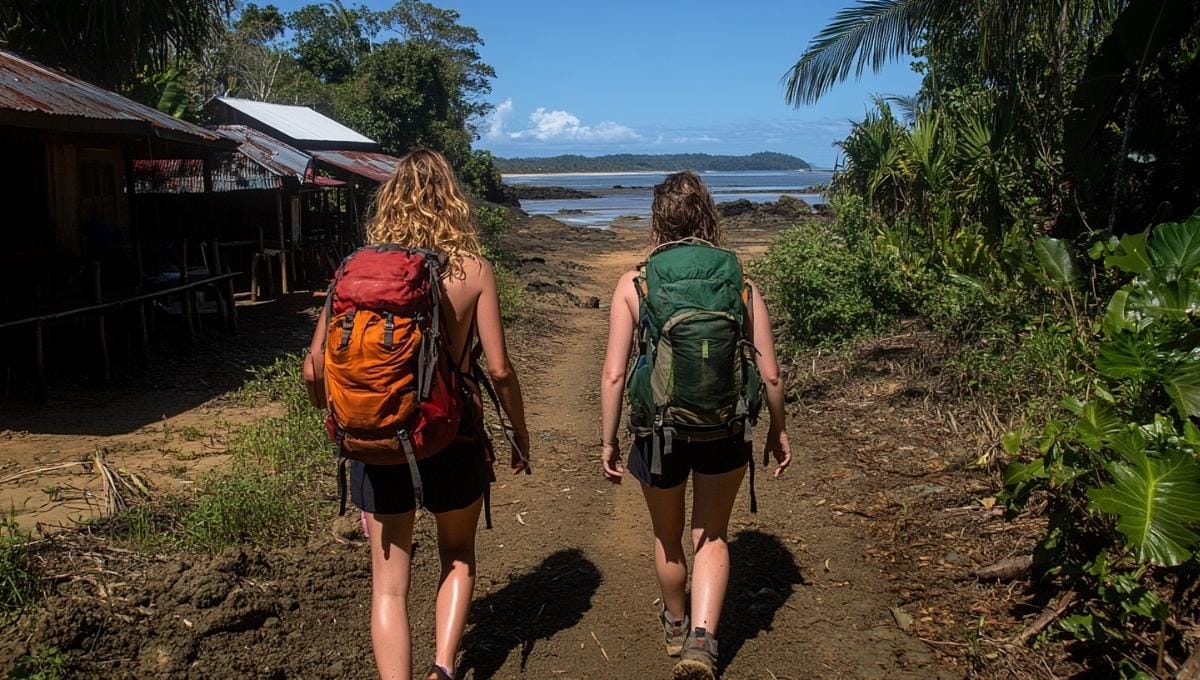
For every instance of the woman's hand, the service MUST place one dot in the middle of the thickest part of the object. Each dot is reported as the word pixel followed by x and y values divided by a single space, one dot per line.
pixel 520 462
pixel 778 446
pixel 610 459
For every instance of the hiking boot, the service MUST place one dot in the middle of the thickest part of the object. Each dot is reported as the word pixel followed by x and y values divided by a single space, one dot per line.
pixel 676 631
pixel 698 660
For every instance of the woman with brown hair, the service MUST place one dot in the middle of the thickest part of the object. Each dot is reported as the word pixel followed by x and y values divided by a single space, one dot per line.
pixel 421 206
pixel 665 452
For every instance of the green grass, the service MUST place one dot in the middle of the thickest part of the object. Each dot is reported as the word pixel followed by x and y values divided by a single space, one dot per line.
pixel 19 582
pixel 246 504
pixel 511 290
pixel 281 467
pixel 191 433
pixel 47 663
pixel 276 486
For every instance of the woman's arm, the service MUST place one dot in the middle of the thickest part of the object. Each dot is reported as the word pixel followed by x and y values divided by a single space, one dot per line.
pixel 768 367
pixel 314 362
pixel 612 381
pixel 499 367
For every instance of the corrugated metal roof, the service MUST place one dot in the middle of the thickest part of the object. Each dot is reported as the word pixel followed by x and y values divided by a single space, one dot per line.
pixel 32 88
pixel 274 155
pixel 232 172
pixel 372 165
pixel 298 122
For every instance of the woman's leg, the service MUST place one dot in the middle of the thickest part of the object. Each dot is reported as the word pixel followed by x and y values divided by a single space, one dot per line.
pixel 391 558
pixel 456 547
pixel 670 562
pixel 712 502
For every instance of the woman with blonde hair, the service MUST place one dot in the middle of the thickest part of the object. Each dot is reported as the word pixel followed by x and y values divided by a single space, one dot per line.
pixel 704 349
pixel 421 207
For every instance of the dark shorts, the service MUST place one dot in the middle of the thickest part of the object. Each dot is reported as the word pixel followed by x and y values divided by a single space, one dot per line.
pixel 708 458
pixel 452 480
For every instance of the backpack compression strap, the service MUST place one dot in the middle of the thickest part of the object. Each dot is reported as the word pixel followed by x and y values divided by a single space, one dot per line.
pixel 663 440
pixel 743 404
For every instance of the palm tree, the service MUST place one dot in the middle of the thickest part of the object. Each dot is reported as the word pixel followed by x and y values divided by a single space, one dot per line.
pixel 110 42
pixel 874 32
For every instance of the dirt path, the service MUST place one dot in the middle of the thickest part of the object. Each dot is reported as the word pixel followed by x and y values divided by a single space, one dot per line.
pixel 565 586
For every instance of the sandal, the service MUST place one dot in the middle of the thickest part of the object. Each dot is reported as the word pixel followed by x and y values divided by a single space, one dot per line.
pixel 676 631
pixel 698 660
pixel 439 673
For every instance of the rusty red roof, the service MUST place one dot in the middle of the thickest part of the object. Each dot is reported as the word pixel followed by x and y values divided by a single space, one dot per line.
pixel 274 155
pixel 32 95
pixel 372 165
pixel 231 172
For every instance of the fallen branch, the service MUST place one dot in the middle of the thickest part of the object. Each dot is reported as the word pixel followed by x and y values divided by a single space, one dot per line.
pixel 1006 569
pixel 48 468
pixel 1047 617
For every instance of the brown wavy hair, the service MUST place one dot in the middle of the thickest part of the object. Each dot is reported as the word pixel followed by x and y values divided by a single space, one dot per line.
pixel 421 206
pixel 683 208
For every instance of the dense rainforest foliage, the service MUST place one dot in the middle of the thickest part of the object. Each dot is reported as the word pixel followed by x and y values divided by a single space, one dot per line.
pixel 1034 202
pixel 629 162
pixel 409 76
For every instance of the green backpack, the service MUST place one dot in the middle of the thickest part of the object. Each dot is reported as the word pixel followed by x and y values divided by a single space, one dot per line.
pixel 694 378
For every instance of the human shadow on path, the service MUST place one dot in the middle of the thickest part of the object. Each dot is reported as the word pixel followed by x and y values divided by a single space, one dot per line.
pixel 763 575
pixel 533 606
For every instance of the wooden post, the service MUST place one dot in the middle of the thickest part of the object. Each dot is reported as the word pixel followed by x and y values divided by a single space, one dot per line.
pixel 233 321
pixel 283 270
pixel 283 286
pixel 254 276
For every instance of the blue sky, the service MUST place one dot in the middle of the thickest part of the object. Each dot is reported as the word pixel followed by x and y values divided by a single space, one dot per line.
pixel 653 76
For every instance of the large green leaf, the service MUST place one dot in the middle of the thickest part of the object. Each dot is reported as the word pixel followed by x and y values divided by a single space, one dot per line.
pixel 1058 265
pixel 1162 299
pixel 1131 256
pixel 1182 383
pixel 1157 503
pixel 1176 247
pixel 1128 355
pixel 1097 424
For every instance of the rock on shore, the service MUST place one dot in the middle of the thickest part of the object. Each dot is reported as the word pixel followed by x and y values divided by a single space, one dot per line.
pixel 529 192
pixel 787 207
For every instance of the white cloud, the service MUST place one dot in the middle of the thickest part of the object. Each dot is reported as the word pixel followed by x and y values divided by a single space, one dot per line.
pixel 500 117
pixel 563 126
pixel 702 139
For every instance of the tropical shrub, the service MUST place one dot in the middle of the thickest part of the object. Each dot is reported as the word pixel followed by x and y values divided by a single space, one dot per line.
pixel 1121 475
pixel 826 291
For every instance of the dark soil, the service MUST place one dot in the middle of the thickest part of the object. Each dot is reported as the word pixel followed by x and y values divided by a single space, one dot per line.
pixel 859 563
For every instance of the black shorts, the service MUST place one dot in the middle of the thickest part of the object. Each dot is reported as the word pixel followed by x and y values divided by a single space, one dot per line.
pixel 708 458
pixel 452 480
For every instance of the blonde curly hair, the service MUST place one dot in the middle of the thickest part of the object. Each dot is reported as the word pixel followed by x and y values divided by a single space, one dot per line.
pixel 421 206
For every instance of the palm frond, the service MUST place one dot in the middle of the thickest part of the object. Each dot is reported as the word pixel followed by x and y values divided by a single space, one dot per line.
pixel 869 33
pixel 910 106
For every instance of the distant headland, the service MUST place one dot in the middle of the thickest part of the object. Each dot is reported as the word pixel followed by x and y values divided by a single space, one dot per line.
pixel 627 162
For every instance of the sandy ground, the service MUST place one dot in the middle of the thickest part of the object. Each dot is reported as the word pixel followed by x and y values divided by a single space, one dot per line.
pixel 857 565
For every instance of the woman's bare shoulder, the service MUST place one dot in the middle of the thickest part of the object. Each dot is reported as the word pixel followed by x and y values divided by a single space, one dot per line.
pixel 470 272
